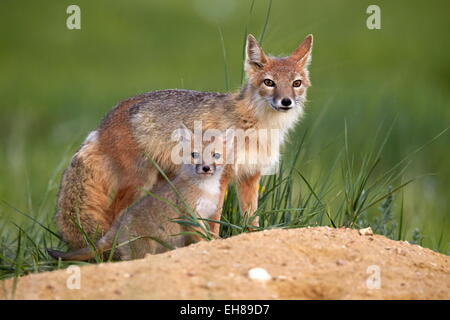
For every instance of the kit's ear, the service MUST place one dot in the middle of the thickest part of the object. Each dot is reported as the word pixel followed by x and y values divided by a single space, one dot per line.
pixel 255 58
pixel 303 52
pixel 185 134
pixel 229 141
pixel 229 135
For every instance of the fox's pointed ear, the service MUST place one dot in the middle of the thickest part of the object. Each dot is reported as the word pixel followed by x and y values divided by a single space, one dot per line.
pixel 254 55
pixel 303 53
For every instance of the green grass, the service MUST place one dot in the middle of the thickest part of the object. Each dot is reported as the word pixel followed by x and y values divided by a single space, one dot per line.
pixel 349 193
pixel 348 163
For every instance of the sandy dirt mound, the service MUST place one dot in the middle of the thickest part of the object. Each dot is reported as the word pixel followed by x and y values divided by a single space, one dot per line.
pixel 310 263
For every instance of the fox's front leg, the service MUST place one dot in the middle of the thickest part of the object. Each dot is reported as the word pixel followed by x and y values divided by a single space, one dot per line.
pixel 247 190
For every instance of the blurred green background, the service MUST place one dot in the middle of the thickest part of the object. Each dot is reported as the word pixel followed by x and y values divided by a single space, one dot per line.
pixel 56 84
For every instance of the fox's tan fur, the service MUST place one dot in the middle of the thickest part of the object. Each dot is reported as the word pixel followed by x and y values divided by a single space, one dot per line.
pixel 197 194
pixel 111 170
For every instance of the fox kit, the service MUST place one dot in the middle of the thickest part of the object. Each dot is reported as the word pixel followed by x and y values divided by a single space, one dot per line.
pixel 112 169
pixel 196 187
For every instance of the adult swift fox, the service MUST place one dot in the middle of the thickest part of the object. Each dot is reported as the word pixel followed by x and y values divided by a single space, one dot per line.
pixel 111 170
pixel 194 192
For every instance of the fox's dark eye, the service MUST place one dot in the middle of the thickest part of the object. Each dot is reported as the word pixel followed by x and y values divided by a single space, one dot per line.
pixel 216 155
pixel 269 83
pixel 297 83
pixel 195 155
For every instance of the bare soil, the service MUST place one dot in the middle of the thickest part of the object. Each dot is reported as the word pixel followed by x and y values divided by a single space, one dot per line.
pixel 309 263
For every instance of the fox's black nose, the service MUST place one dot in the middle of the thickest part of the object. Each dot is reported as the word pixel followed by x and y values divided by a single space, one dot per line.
pixel 206 169
pixel 286 102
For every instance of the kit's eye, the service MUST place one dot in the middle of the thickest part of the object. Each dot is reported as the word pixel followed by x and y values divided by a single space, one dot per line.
pixel 297 83
pixel 216 155
pixel 195 155
pixel 269 83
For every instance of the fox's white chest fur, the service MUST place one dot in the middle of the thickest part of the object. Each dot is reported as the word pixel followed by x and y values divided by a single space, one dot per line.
pixel 276 126
pixel 207 203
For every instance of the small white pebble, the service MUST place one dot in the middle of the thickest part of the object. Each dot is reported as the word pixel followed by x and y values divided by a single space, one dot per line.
pixel 259 274
pixel 341 262
pixel 366 231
